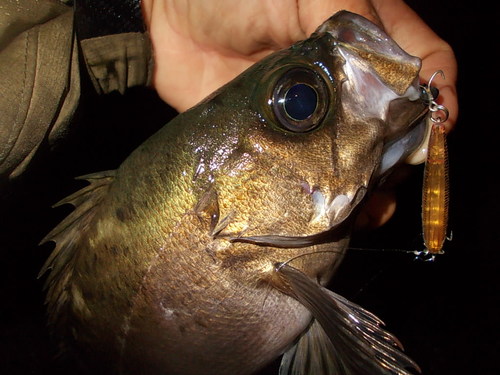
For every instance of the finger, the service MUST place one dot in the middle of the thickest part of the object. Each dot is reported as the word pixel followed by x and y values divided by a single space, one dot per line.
pixel 378 209
pixel 417 38
pixel 313 13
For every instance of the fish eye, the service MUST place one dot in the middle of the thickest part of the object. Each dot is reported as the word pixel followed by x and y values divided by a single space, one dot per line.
pixel 300 100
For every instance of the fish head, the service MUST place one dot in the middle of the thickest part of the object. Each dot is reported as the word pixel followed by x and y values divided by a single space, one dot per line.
pixel 325 119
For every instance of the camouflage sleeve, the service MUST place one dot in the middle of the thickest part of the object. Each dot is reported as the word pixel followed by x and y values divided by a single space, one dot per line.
pixel 43 56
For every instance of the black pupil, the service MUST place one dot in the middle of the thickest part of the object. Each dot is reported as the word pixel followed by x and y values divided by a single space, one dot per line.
pixel 300 101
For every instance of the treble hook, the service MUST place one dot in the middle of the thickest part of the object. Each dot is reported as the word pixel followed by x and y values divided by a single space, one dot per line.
pixel 434 75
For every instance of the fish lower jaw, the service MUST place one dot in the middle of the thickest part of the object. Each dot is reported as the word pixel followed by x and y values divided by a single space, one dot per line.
pixel 419 155
pixel 407 148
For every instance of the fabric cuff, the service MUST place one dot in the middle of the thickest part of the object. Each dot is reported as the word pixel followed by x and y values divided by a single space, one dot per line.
pixel 115 44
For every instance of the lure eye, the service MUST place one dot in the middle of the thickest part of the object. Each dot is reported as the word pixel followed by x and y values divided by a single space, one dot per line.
pixel 300 100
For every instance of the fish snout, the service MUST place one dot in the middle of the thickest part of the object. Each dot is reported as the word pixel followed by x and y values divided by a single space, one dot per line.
pixel 369 42
pixel 381 86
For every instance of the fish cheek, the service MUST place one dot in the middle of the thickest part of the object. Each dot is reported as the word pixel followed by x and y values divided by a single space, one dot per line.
pixel 358 146
pixel 270 200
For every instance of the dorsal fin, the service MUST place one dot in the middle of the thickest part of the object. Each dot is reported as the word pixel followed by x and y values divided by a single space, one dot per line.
pixel 68 232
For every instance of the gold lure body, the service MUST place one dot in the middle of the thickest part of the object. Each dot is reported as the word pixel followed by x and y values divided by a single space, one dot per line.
pixel 435 191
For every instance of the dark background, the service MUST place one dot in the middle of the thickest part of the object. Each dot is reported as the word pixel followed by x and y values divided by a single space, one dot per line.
pixel 446 312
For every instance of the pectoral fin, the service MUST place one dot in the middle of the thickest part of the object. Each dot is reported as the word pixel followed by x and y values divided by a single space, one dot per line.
pixel 312 354
pixel 343 338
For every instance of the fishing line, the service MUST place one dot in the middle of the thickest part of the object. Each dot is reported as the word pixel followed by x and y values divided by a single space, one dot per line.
pixel 418 254
pixel 421 255
pixel 383 250
pixel 280 265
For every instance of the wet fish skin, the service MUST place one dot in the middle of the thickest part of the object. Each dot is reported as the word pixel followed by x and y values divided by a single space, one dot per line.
pixel 164 268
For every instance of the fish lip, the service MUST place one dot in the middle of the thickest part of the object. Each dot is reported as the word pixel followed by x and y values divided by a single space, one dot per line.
pixel 356 30
pixel 361 33
pixel 365 38
pixel 403 146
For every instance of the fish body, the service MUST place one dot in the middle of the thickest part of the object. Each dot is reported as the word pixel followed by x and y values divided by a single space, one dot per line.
pixel 198 254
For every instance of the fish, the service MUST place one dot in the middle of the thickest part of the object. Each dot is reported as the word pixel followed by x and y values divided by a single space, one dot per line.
pixel 209 249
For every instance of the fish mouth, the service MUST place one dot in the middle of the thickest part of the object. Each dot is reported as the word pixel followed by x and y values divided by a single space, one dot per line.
pixel 382 82
pixel 405 147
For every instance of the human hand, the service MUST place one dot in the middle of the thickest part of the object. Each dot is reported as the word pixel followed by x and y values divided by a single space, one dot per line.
pixel 201 45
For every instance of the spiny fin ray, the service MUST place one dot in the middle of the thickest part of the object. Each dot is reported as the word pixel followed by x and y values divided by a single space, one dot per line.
pixel 68 233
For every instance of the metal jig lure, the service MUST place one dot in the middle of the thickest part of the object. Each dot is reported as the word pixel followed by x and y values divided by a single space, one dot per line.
pixel 436 186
